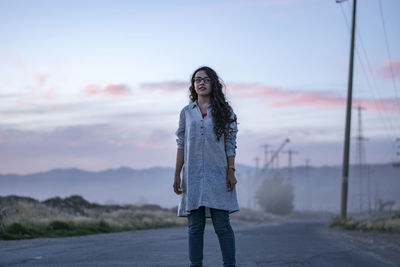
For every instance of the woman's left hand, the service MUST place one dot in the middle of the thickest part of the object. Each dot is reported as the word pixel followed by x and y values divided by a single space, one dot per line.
pixel 231 179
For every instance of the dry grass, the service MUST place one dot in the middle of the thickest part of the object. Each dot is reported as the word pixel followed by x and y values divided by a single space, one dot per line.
pixel 26 212
pixel 137 219
pixel 29 219
pixel 387 224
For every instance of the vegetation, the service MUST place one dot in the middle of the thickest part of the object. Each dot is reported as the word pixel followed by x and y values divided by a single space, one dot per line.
pixel 391 224
pixel 22 217
pixel 275 196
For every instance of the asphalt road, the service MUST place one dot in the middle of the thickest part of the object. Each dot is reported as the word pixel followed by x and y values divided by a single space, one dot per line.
pixel 288 244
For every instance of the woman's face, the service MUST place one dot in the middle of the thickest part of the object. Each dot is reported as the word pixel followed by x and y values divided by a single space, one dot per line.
pixel 202 83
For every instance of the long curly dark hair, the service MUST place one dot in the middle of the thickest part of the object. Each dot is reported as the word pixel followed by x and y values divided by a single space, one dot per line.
pixel 221 110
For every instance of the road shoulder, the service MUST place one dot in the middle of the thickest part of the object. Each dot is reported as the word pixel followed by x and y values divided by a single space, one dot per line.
pixel 385 245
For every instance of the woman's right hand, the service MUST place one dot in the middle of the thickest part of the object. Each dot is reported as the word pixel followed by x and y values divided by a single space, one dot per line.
pixel 177 185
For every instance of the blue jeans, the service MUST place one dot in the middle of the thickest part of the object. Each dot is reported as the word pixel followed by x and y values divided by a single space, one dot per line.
pixel 223 229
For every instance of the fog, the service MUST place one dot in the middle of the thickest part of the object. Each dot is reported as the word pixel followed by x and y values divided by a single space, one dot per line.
pixel 316 189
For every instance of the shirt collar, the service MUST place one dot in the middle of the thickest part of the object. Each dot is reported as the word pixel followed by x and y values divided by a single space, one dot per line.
pixel 194 104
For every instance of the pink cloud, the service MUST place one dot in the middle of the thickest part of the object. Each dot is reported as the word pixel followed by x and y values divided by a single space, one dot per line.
pixel 92 89
pixel 314 99
pixel 111 90
pixel 117 89
pixel 386 70
pixel 385 105
pixel 278 97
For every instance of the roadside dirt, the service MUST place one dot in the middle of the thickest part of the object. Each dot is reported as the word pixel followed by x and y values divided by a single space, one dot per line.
pixel 385 245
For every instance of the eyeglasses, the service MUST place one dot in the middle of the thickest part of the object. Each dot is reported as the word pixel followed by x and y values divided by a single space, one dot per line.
pixel 206 80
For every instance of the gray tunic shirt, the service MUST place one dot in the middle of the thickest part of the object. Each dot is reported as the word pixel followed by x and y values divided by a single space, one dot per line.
pixel 204 179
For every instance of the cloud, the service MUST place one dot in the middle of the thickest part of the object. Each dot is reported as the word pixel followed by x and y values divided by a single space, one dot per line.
pixel 390 65
pixel 166 87
pixel 84 146
pixel 101 146
pixel 278 97
pixel 116 90
pixel 10 95
pixel 388 105
pixel 92 89
pixel 41 79
pixel 157 139
pixel 13 61
pixel 116 142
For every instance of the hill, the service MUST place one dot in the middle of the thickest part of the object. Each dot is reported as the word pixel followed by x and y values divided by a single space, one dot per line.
pixel 315 188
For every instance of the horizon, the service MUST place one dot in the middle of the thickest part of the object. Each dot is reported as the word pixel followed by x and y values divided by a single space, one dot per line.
pixel 98 84
pixel 171 167
pixel 315 188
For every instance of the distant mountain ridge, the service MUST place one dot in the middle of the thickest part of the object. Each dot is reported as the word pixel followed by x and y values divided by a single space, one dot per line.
pixel 122 185
pixel 320 190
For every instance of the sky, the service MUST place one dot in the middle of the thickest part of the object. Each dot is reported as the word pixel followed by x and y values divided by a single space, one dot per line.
pixel 100 84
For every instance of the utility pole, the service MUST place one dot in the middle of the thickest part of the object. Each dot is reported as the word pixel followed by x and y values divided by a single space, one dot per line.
pixel 346 150
pixel 268 166
pixel 277 164
pixel 274 155
pixel 272 161
pixel 265 146
pixel 360 160
pixel 290 152
pixel 257 160
pixel 307 184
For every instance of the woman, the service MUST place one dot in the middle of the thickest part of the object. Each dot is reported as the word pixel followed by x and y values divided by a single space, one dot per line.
pixel 206 140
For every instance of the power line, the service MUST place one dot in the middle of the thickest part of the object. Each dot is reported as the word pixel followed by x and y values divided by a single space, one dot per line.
pixel 360 156
pixel 377 101
pixel 372 73
pixel 389 54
